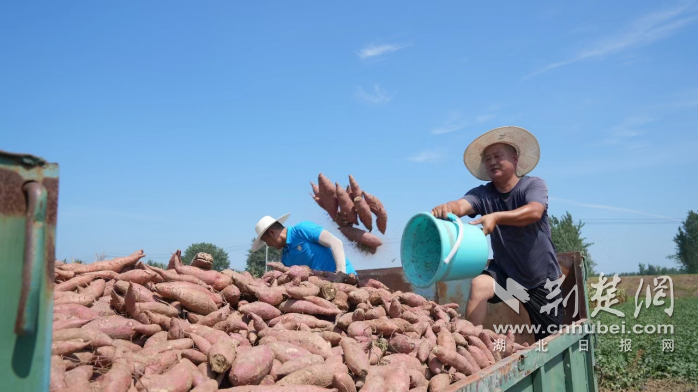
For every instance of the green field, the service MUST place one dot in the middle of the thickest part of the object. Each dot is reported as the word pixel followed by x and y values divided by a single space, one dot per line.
pixel 617 370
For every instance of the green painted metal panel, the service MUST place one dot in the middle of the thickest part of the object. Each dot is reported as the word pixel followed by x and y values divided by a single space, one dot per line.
pixel 28 206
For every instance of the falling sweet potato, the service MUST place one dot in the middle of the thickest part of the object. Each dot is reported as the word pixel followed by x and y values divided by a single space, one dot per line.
pixel 360 236
pixel 377 208
pixel 328 196
pixel 316 194
pixel 346 205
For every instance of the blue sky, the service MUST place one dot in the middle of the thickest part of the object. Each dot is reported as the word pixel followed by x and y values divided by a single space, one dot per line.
pixel 176 122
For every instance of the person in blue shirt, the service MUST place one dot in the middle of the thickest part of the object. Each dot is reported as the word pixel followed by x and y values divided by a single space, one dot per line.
pixel 306 243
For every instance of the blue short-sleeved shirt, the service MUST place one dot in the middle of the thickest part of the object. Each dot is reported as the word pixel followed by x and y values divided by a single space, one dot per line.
pixel 302 248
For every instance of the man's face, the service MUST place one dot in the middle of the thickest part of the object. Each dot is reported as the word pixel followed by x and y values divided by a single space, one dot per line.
pixel 500 161
pixel 272 238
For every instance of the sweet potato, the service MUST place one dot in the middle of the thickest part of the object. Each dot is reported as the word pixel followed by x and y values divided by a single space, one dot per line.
pixel 102 308
pixel 356 359
pixel 116 264
pixel 70 323
pixel 261 309
pixel 140 276
pixel 439 382
pixel 118 327
pixel 308 340
pixel 271 295
pixel 178 378
pixel 475 341
pixel 68 346
pixel 201 344
pixel 316 194
pixel 489 343
pixel 72 284
pixel 79 378
pixel 360 236
pixel 341 301
pixel 346 205
pixel 118 378
pixel 328 196
pixel 343 383
pixel 212 318
pixel 276 388
pixel 213 278
pixel 190 298
pixel 454 359
pixel 479 356
pixel 251 367
pixel 291 366
pixel 403 344
pixel 377 208
pixel 304 289
pixel 221 355
pixel 231 294
pixel 397 379
pixel 95 338
pixel 60 274
pixel 307 307
pixel 403 360
pixel 202 260
pixel 207 386
pixel 285 351
pixel 319 375
pixel 446 340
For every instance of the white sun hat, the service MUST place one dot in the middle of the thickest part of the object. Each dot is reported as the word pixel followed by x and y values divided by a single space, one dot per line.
pixel 523 141
pixel 262 227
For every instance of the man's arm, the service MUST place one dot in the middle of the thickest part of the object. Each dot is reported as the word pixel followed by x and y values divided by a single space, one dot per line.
pixel 460 207
pixel 522 216
pixel 335 244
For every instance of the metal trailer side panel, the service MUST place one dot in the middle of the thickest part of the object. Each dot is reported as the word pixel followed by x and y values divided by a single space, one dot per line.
pixel 28 209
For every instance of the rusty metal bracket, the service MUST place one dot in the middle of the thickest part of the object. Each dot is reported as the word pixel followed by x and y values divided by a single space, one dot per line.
pixel 34 258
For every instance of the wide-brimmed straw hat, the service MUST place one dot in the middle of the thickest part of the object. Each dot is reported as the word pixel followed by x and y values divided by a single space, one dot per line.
pixel 524 142
pixel 262 226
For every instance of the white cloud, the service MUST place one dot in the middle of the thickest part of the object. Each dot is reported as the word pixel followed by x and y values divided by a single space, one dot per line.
pixel 377 50
pixel 375 97
pixel 426 156
pixel 643 31
pixel 627 130
pixel 456 122
pixel 605 207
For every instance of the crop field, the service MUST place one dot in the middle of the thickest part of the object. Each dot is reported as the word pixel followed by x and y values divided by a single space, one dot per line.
pixel 646 364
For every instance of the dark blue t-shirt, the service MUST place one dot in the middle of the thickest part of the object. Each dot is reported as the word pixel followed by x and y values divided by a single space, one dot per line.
pixel 525 254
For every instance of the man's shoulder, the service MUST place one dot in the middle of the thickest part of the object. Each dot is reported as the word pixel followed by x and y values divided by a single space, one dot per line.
pixel 528 181
pixel 481 189
pixel 305 225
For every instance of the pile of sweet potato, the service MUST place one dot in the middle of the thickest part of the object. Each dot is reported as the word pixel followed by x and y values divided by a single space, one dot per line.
pixel 123 326
pixel 349 206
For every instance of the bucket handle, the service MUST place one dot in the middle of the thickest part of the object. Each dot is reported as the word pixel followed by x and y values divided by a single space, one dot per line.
pixel 453 218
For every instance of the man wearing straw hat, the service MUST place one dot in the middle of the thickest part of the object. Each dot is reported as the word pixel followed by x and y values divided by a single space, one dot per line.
pixel 303 244
pixel 513 211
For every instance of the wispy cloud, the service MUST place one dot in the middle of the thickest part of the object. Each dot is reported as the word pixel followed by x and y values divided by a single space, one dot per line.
pixel 605 207
pixel 426 156
pixel 456 122
pixel 377 50
pixel 643 31
pixel 627 131
pixel 376 96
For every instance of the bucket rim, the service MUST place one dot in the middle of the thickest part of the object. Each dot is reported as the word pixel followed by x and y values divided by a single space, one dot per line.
pixel 441 269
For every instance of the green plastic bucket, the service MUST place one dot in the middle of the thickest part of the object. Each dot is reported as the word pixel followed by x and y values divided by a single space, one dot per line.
pixel 434 250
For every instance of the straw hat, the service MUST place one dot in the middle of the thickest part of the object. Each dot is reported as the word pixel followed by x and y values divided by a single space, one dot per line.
pixel 262 226
pixel 524 142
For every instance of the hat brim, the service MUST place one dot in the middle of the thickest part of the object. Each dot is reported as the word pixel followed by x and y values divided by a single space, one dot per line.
pixel 258 241
pixel 526 145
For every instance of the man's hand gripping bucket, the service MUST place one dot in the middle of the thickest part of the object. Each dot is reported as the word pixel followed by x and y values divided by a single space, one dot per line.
pixel 434 250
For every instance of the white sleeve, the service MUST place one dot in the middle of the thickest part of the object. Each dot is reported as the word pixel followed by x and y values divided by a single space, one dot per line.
pixel 335 244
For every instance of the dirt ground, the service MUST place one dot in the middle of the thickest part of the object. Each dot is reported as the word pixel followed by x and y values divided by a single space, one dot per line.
pixel 662 385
